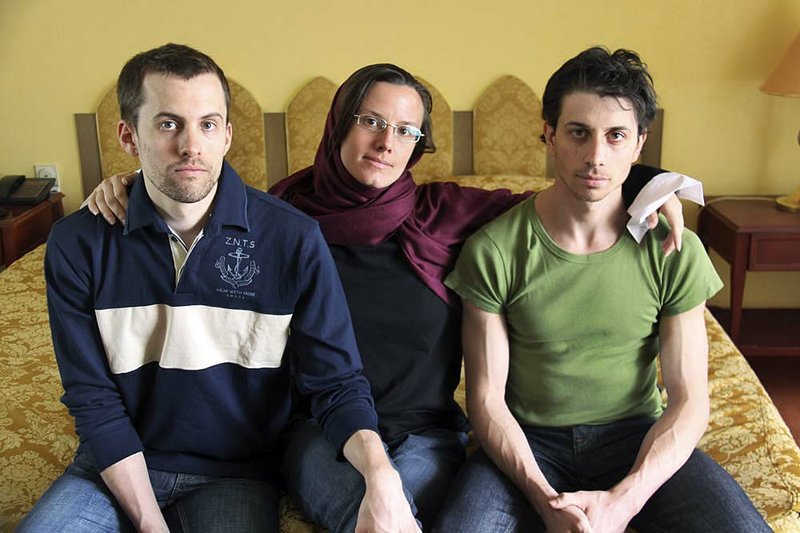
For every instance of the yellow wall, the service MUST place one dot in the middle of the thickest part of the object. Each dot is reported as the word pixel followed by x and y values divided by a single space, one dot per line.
pixel 708 59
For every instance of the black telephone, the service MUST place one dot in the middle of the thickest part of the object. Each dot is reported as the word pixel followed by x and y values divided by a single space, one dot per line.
pixel 17 189
pixel 8 185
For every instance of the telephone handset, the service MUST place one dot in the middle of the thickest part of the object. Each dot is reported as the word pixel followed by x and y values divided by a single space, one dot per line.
pixel 9 184
pixel 17 189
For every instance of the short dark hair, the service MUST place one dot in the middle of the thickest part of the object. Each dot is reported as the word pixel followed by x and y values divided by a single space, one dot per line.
pixel 355 89
pixel 596 70
pixel 170 59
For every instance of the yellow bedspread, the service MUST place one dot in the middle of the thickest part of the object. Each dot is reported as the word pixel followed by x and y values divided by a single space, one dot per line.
pixel 746 434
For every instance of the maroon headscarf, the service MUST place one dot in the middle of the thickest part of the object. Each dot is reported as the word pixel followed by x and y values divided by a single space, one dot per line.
pixel 430 222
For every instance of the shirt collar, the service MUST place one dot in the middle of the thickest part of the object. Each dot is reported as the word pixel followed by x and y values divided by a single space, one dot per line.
pixel 230 205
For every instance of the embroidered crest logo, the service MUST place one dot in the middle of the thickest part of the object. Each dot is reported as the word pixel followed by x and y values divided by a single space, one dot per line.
pixel 239 275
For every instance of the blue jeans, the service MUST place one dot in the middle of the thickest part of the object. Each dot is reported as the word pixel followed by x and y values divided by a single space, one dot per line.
pixel 701 496
pixel 79 501
pixel 329 492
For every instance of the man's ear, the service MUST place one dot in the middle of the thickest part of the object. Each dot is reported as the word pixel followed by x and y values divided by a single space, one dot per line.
pixel 549 136
pixel 126 134
pixel 640 145
pixel 228 137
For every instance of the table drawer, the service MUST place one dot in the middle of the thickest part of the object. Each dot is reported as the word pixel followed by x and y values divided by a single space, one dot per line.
pixel 774 251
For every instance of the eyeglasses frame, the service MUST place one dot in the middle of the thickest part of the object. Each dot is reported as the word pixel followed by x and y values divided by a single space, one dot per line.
pixel 394 128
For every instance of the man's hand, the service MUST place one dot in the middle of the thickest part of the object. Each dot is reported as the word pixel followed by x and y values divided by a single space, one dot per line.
pixel 156 526
pixel 129 482
pixel 604 512
pixel 110 197
pixel 673 212
pixel 569 518
pixel 384 507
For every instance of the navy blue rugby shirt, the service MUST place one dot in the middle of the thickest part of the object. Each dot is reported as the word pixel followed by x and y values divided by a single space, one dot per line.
pixel 194 370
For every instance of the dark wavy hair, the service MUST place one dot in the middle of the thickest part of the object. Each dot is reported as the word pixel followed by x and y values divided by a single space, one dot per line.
pixel 170 59
pixel 596 70
pixel 355 89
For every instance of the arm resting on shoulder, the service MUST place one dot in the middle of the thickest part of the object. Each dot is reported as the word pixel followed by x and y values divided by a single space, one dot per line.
pixel 110 197
pixel 486 358
pixel 673 212
pixel 641 175
pixel 129 482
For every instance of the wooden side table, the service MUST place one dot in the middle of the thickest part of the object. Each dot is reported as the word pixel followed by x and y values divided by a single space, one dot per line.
pixel 752 235
pixel 27 226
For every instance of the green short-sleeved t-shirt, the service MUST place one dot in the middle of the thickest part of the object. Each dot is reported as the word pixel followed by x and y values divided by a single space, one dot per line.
pixel 583 329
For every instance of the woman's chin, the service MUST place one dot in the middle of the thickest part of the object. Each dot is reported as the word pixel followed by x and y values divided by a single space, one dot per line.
pixel 376 181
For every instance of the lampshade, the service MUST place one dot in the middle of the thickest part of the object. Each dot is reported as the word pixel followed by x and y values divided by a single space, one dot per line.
pixel 785 80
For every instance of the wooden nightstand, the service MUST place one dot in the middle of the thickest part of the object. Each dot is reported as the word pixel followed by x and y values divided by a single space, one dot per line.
pixel 27 226
pixel 754 235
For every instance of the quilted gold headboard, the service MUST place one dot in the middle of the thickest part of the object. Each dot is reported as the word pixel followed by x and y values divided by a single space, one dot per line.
pixel 247 153
pixel 507 123
pixel 438 165
pixel 113 159
pixel 305 122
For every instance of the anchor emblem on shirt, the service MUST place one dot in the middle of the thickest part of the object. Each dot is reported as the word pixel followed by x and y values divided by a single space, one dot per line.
pixel 239 275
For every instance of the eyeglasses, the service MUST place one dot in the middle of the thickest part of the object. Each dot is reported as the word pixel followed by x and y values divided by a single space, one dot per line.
pixel 404 132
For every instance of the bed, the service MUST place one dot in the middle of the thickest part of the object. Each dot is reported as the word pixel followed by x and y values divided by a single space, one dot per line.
pixel 746 434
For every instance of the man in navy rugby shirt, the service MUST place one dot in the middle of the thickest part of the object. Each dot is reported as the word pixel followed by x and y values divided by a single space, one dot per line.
pixel 170 331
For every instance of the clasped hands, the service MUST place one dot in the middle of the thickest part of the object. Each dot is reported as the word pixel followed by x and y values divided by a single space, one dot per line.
pixel 586 512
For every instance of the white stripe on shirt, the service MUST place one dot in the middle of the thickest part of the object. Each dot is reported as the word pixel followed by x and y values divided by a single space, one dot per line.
pixel 191 337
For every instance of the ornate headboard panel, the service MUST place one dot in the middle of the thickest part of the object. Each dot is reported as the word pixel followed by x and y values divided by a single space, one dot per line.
pixel 305 122
pixel 508 122
pixel 439 164
pixel 113 159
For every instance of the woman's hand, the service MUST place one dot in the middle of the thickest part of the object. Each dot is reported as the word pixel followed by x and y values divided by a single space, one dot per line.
pixel 673 212
pixel 110 197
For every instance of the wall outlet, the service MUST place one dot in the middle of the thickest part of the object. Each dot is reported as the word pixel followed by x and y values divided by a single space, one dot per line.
pixel 48 171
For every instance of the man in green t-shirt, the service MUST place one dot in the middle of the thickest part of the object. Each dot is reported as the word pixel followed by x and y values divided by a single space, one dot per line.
pixel 564 316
